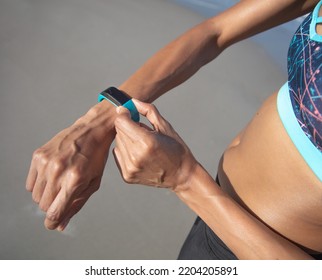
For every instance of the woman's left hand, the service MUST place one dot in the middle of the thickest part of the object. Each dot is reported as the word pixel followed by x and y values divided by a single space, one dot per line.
pixel 155 157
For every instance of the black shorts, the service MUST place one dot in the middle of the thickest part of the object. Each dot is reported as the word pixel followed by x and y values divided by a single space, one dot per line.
pixel 203 244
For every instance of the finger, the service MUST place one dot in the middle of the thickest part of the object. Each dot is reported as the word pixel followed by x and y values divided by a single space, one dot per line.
pixel 123 110
pixel 54 171
pixel 146 126
pixel 38 189
pixel 129 128
pixel 63 225
pixel 75 208
pixel 120 152
pixel 119 142
pixel 119 160
pixel 33 173
pixel 50 192
pixel 153 115
pixel 78 203
pixel 159 123
pixel 31 178
pixel 62 202
pixel 57 210
pixel 128 151
pixel 123 166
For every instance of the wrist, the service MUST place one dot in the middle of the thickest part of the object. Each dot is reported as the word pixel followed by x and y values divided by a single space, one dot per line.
pixel 137 91
pixel 129 90
pixel 198 184
pixel 100 118
pixel 186 178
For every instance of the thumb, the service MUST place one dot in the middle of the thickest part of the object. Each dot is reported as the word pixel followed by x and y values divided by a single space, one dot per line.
pixel 122 110
pixel 126 125
pixel 149 111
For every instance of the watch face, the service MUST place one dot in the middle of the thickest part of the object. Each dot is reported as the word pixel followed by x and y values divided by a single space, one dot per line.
pixel 116 96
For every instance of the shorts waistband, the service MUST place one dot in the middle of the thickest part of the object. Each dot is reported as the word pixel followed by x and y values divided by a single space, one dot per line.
pixel 309 152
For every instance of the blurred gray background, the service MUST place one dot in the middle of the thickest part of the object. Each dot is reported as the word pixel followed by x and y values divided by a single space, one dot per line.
pixel 55 57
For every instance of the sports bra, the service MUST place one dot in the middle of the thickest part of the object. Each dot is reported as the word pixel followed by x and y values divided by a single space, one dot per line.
pixel 304 64
pixel 299 101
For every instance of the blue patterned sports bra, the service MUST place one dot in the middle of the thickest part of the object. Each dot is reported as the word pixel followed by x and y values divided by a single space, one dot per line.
pixel 305 77
pixel 299 101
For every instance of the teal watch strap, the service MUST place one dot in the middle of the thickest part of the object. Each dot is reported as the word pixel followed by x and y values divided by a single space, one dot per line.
pixel 119 98
pixel 135 116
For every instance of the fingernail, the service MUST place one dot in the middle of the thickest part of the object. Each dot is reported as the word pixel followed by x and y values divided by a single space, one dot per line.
pixel 63 225
pixel 60 228
pixel 121 109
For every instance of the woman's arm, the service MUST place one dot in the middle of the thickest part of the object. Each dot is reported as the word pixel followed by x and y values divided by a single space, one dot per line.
pixel 57 179
pixel 245 235
pixel 160 158
pixel 183 57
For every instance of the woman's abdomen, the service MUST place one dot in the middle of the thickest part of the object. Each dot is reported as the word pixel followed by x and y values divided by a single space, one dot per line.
pixel 264 172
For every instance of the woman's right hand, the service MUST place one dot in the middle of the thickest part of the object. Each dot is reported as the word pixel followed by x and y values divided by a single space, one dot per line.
pixel 155 157
pixel 67 170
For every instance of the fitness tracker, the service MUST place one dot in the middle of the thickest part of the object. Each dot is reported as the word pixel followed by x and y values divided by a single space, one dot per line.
pixel 119 98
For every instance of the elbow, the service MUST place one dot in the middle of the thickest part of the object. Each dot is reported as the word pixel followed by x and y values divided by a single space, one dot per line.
pixel 212 44
pixel 216 32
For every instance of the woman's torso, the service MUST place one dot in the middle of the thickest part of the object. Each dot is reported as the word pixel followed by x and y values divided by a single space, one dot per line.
pixel 264 172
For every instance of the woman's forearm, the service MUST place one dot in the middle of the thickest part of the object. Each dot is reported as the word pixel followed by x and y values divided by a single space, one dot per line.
pixel 183 57
pixel 245 235
pixel 174 63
